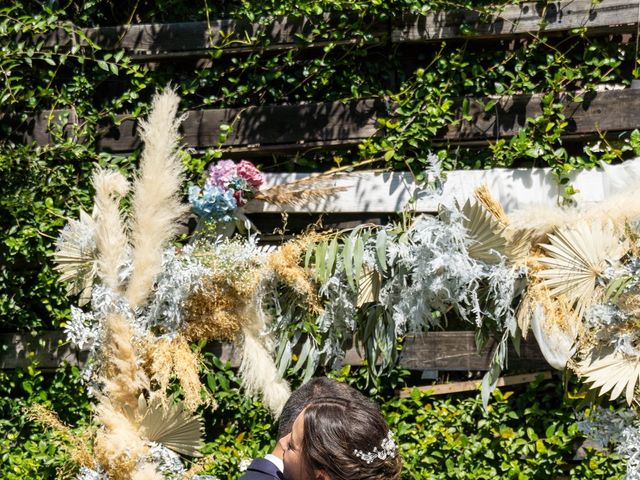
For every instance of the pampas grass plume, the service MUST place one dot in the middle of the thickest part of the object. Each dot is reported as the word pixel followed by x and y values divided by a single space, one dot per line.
pixel 259 374
pixel 123 377
pixel 543 219
pixel 111 237
pixel 119 445
pixel 156 201
pixel 147 472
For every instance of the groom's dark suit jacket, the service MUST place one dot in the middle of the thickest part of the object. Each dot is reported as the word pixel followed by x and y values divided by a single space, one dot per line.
pixel 262 469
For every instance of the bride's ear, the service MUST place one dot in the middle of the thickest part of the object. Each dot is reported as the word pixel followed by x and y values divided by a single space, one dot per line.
pixel 321 475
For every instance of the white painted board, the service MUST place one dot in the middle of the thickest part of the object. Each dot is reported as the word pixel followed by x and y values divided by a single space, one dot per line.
pixel 513 188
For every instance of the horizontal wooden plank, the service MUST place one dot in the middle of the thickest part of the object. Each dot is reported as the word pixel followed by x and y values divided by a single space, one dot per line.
pixel 613 110
pixel 289 128
pixel 386 192
pixel 47 349
pixel 152 42
pixel 282 126
pixel 442 351
pixel 456 351
pixel 471 385
pixel 524 18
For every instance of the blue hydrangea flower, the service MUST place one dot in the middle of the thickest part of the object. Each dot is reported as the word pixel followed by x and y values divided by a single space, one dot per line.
pixel 212 203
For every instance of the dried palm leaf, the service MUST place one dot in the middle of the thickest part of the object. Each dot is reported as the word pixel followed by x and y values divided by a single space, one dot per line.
pixel 611 371
pixel 576 258
pixel 76 256
pixel 368 286
pixel 523 315
pixel 298 192
pixel 171 425
pixel 519 243
pixel 485 233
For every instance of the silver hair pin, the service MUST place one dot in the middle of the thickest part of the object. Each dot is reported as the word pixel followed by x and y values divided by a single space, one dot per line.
pixel 387 448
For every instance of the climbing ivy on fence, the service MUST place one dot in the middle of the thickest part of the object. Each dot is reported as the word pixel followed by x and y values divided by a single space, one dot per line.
pixel 42 185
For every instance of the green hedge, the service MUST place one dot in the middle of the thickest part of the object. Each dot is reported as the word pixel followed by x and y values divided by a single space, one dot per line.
pixel 528 433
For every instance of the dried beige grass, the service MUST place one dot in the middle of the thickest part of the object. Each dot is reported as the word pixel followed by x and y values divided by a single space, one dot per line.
pixel 285 262
pixel 198 466
pixel 305 190
pixel 75 443
pixel 214 311
pixel 111 237
pixel 156 204
pixel 484 196
pixel 123 377
pixel 558 310
pixel 186 364
pixel 175 357
pixel 630 304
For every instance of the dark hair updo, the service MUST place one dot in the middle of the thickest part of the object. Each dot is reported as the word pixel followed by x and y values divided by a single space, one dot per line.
pixel 334 429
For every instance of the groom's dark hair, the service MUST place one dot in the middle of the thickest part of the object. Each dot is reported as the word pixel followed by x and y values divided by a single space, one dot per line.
pixel 314 389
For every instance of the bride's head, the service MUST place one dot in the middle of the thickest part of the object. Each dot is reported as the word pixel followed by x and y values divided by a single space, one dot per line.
pixel 337 439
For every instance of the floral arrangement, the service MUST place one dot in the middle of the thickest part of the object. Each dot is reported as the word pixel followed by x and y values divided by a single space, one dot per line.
pixel 570 276
pixel 228 185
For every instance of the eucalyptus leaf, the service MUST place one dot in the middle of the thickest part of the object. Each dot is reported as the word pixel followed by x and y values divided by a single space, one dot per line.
pixel 347 259
pixel 304 353
pixel 381 249
pixel 321 270
pixel 358 253
pixel 332 253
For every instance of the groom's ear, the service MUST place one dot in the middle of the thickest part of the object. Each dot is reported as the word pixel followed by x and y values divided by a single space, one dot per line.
pixel 321 475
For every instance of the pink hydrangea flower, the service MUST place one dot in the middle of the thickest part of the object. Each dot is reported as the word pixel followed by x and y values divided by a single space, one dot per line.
pixel 250 173
pixel 222 173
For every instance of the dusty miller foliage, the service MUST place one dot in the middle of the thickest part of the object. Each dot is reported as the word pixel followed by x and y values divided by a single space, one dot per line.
pixel 181 274
pixel 619 428
pixel 606 319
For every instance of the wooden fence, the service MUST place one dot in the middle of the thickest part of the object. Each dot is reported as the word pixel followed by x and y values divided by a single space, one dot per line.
pixel 272 129
pixel 433 351
pixel 267 129
pixel 161 42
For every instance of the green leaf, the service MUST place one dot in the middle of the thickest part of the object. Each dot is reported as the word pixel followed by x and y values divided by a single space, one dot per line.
pixel 381 249
pixel 489 105
pixel 304 353
pixel 321 270
pixel 103 65
pixel 358 254
pixel 347 260
pixel 332 253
